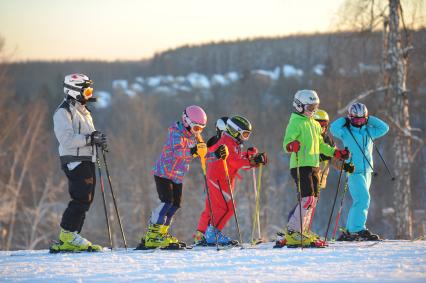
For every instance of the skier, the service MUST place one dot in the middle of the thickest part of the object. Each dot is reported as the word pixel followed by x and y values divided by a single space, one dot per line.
pixel 304 141
pixel 321 116
pixel 220 127
pixel 74 129
pixel 181 147
pixel 357 132
pixel 238 130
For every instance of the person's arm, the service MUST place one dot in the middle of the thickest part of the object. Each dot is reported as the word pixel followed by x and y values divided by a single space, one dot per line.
pixel 64 132
pixel 376 127
pixel 337 127
pixel 292 133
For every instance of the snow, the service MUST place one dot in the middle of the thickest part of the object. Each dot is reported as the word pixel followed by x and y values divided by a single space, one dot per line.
pixel 198 80
pixel 390 261
pixel 318 69
pixel 103 99
pixel 119 84
pixel 291 71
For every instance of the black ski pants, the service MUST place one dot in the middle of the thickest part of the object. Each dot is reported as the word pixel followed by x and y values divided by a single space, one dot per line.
pixel 309 179
pixel 81 186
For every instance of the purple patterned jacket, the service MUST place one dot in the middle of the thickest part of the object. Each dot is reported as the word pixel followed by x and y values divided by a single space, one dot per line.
pixel 175 157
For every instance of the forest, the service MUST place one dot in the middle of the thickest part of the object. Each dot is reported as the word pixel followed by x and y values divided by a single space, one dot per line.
pixel 256 78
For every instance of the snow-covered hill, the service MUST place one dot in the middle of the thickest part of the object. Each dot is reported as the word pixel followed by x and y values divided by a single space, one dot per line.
pixel 390 261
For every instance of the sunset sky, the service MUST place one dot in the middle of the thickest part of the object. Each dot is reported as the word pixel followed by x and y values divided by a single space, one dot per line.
pixel 135 29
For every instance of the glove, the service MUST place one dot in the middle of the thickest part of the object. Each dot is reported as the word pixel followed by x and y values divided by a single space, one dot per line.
pixel 251 151
pixel 293 146
pixel 260 158
pixel 199 150
pixel 348 167
pixel 221 152
pixel 99 139
pixel 342 154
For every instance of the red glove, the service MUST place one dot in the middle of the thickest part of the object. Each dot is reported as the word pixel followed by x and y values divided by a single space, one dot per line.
pixel 251 151
pixel 293 146
pixel 342 154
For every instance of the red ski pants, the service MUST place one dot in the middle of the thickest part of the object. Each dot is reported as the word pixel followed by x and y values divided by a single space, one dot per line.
pixel 221 206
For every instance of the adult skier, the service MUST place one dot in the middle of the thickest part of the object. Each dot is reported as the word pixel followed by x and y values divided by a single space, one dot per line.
pixel 74 129
pixel 303 139
pixel 182 145
pixel 238 130
pixel 357 132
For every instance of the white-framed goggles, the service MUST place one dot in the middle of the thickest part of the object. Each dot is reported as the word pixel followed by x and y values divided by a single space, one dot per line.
pixel 195 127
pixel 244 134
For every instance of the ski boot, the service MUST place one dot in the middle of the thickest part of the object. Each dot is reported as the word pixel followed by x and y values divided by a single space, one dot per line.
pixel 222 240
pixel 281 241
pixel 199 239
pixel 316 238
pixel 295 240
pixel 73 242
pixel 347 236
pixel 366 235
pixel 164 230
pixel 153 238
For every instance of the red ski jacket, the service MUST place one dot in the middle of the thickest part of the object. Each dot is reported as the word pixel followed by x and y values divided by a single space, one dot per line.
pixel 237 159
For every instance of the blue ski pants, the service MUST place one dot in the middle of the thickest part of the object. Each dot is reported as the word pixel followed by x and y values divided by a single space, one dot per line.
pixel 359 188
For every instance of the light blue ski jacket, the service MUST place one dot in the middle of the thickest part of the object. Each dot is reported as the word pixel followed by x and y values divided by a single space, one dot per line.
pixel 374 129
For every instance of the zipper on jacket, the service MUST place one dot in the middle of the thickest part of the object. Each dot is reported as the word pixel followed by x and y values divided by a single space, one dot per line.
pixel 79 130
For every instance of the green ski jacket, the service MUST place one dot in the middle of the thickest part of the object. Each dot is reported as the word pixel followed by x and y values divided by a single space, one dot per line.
pixel 308 132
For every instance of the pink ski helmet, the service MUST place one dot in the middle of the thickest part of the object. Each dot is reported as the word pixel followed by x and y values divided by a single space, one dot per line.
pixel 195 118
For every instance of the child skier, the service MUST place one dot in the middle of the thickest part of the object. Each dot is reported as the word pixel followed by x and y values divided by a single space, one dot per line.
pixel 304 141
pixel 74 129
pixel 238 130
pixel 321 116
pixel 181 147
pixel 357 132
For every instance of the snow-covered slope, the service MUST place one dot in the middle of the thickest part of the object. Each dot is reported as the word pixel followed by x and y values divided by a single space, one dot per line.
pixel 390 261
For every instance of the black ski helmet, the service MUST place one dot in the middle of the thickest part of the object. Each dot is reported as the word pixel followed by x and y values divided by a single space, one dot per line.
pixel 239 127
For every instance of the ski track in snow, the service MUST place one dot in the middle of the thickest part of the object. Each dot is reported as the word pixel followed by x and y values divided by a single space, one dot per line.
pixel 390 261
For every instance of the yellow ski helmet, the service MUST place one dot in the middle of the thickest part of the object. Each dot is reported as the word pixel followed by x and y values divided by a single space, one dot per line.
pixel 321 115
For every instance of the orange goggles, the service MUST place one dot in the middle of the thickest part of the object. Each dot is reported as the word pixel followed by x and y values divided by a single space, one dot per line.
pixel 196 128
pixel 323 123
pixel 87 93
pixel 245 134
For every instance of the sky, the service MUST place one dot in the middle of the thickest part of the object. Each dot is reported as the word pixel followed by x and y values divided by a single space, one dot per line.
pixel 137 29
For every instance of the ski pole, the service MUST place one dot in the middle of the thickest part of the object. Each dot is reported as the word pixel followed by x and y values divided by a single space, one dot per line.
pixel 381 157
pixel 113 199
pixel 334 202
pixel 300 199
pixel 256 214
pixel 103 196
pixel 336 224
pixel 202 154
pixel 259 189
pixel 225 166
pixel 319 191
pixel 362 152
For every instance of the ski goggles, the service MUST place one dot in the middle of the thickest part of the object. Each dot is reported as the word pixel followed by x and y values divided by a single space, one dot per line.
pixel 197 128
pixel 323 123
pixel 245 134
pixel 87 93
pixel 359 120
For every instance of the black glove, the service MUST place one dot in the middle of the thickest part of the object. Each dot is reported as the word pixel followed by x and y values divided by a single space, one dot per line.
pixel 260 158
pixel 348 167
pixel 221 152
pixel 99 139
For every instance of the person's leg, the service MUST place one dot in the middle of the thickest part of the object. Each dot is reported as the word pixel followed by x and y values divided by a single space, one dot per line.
pixel 165 193
pixel 82 182
pixel 360 202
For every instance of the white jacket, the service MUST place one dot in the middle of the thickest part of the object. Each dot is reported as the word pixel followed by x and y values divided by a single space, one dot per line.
pixel 73 125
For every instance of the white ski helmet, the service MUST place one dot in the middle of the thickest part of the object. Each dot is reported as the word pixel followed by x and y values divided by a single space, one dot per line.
pixel 304 99
pixel 78 86
pixel 357 110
